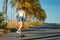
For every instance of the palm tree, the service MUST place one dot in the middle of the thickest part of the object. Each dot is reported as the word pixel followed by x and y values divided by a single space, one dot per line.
pixel 32 7
pixel 4 8
pixel 4 15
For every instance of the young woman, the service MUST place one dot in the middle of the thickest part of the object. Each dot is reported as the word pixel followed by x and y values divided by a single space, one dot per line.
pixel 20 17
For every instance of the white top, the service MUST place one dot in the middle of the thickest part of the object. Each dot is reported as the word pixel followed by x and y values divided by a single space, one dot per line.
pixel 21 13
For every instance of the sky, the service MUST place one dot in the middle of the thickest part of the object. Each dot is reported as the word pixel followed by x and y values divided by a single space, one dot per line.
pixel 51 7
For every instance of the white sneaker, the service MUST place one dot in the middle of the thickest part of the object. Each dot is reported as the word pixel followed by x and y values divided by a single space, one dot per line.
pixel 17 32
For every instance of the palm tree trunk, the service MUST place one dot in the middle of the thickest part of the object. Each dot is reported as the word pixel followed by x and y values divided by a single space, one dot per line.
pixel 6 9
pixel 11 14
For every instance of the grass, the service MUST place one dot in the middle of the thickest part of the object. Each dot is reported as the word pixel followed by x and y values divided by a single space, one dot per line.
pixel 1 31
pixel 26 24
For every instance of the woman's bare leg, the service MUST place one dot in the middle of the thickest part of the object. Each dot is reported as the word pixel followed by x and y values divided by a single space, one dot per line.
pixel 20 26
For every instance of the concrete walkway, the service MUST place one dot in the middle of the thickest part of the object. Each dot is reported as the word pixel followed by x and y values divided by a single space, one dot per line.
pixel 34 34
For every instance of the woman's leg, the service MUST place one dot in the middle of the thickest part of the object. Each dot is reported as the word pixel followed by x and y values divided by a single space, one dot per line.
pixel 20 26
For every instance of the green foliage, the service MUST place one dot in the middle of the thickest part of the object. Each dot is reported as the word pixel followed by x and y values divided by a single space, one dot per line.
pixel 13 3
pixel 2 18
pixel 33 8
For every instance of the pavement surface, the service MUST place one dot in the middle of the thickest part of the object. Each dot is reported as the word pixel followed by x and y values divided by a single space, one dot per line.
pixel 34 34
pixel 46 32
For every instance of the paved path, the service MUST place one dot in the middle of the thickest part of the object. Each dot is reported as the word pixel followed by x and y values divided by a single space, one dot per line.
pixel 34 34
